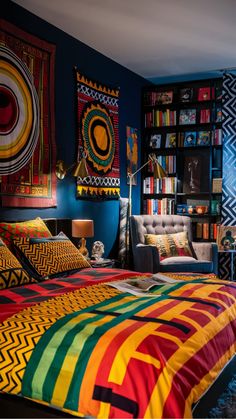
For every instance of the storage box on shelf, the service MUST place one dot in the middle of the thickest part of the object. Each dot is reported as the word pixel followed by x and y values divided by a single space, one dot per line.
pixel 183 127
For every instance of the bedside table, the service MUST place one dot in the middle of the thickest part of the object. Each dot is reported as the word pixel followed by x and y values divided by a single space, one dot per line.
pixel 103 263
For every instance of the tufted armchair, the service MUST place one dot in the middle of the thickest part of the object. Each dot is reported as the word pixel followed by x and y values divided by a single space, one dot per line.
pixel 146 257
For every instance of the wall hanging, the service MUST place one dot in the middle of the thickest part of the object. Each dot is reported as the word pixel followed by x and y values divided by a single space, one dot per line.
pixel 98 120
pixel 27 126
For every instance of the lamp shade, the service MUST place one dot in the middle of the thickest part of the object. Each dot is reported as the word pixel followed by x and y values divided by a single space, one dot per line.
pixel 82 228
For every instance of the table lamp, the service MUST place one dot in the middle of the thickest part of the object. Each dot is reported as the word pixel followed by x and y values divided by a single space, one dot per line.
pixel 83 229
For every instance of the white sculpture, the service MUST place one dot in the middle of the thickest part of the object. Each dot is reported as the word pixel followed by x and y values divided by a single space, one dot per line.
pixel 97 250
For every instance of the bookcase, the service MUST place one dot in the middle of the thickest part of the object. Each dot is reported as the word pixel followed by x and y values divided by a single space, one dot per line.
pixel 182 126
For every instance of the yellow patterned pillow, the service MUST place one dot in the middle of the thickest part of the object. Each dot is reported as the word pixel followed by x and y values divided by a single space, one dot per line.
pixel 12 273
pixel 49 257
pixel 169 245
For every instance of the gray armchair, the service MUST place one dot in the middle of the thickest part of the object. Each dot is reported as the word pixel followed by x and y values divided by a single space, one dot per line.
pixel 146 257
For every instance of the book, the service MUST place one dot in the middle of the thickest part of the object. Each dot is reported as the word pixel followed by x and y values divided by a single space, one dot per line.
pixel 204 93
pixel 218 93
pixel 218 117
pixel 186 95
pixel 187 116
pixel 164 98
pixel 217 185
pixel 170 140
pixel 204 138
pixel 189 139
pixel 155 141
pixel 217 137
pixel 205 116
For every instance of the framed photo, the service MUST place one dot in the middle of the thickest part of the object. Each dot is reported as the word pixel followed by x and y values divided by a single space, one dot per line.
pixel 190 139
pixel 186 95
pixel 132 152
pixel 170 140
pixel 155 141
pixel 226 237
pixel 187 116
pixel 196 172
pixel 204 138
pixel 163 98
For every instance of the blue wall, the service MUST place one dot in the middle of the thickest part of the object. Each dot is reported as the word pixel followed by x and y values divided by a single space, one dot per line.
pixel 70 53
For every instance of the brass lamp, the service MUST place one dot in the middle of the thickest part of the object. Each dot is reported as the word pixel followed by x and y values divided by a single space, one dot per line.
pixel 83 229
pixel 77 169
pixel 158 173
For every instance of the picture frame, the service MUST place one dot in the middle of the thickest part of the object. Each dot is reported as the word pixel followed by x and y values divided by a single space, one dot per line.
pixel 190 139
pixel 195 172
pixel 187 116
pixel 226 238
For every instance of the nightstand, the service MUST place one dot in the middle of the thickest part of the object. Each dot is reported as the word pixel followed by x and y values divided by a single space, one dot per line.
pixel 103 263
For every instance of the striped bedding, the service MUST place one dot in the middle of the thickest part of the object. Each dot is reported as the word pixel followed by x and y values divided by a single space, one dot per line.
pixel 86 348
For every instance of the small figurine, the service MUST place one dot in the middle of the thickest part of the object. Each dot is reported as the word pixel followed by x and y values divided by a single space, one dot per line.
pixel 97 250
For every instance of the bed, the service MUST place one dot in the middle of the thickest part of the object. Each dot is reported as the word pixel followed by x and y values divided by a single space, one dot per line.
pixel 77 344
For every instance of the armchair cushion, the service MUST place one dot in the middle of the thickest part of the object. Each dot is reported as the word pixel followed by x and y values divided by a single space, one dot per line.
pixel 170 245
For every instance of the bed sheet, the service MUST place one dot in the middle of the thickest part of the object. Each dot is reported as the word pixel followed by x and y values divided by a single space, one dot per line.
pixel 83 346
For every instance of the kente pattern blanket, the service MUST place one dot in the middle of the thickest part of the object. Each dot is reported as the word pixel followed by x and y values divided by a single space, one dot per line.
pixel 27 127
pixel 99 352
pixel 98 133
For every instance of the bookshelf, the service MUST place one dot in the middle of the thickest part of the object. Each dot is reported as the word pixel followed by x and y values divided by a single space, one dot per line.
pixel 182 125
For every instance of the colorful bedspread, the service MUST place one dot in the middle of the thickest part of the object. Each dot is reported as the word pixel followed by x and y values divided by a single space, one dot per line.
pixel 83 346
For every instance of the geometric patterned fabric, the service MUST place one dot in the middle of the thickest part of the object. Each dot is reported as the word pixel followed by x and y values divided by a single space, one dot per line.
pixel 91 352
pixel 170 244
pixel 31 228
pixel 229 167
pixel 11 272
pixel 51 256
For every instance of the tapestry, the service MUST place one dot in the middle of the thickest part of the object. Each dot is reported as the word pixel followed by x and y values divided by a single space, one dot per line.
pixel 228 164
pixel 98 124
pixel 132 153
pixel 27 126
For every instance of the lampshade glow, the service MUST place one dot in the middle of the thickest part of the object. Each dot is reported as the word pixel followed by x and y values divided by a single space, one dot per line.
pixel 82 228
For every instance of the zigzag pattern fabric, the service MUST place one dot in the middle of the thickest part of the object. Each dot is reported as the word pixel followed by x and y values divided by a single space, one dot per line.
pixel 52 256
pixel 229 167
pixel 124 233
pixel 12 273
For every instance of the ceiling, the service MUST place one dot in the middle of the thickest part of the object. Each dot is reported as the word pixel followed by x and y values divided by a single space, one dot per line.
pixel 153 38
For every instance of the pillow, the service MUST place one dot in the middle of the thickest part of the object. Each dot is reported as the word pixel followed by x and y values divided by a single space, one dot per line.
pixel 169 245
pixel 31 228
pixel 49 257
pixel 12 273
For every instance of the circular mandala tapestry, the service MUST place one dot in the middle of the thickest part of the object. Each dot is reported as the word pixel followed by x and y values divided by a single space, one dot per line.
pixel 99 137
pixel 19 113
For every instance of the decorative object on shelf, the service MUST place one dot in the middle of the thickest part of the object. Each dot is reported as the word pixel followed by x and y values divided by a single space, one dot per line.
pixel 226 237
pixel 97 250
pixel 201 209
pixel 83 229
pixel 132 152
pixel 98 134
pixel 76 169
pixel 158 173
pixel 27 126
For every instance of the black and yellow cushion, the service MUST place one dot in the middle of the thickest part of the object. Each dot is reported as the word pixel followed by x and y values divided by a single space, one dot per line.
pixel 12 273
pixel 49 257
pixel 170 245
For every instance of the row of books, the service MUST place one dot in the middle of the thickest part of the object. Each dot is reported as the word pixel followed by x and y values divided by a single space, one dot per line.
pixel 186 139
pixel 206 231
pixel 163 185
pixel 167 162
pixel 162 206
pixel 159 118
pixel 187 94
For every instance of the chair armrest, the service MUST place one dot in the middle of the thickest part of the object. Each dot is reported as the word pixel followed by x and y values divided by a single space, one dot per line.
pixel 146 258
pixel 207 251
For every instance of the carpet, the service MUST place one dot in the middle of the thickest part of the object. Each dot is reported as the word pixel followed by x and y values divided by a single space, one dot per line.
pixel 226 403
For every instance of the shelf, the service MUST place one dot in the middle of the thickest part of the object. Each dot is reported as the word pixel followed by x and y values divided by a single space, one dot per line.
pixel 198 164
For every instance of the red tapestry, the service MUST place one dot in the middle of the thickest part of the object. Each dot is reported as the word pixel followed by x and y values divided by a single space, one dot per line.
pixel 27 125
pixel 98 124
